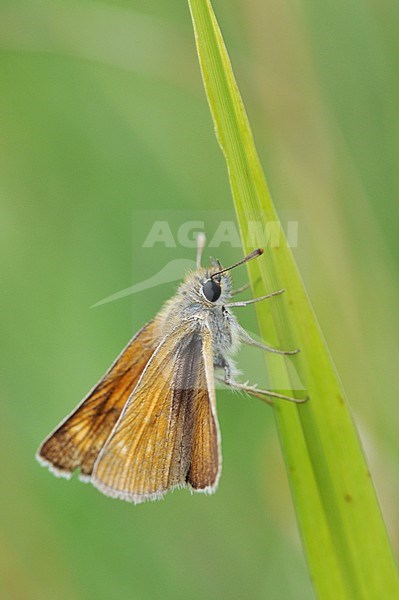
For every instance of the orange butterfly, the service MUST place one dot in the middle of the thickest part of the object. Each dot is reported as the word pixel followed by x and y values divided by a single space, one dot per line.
pixel 150 425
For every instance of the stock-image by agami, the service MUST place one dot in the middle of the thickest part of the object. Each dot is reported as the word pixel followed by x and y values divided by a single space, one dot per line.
pixel 207 192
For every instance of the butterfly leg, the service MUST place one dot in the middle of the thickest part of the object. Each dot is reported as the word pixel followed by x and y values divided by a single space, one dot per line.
pixel 241 289
pixel 253 390
pixel 247 339
pixel 253 300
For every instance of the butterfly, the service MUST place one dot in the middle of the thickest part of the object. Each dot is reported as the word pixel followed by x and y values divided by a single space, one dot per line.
pixel 150 424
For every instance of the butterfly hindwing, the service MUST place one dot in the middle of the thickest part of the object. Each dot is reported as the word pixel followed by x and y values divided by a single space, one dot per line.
pixel 78 440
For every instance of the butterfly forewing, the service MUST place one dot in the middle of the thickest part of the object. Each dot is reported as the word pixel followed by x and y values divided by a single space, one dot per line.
pixel 159 442
pixel 77 442
pixel 205 459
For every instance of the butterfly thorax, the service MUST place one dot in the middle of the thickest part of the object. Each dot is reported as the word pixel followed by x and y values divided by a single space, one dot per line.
pixel 191 310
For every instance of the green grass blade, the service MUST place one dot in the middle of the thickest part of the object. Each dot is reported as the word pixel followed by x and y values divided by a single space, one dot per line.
pixel 344 536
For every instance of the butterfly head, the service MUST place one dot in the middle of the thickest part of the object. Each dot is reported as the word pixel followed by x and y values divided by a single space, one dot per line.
pixel 215 287
pixel 207 287
pixel 212 286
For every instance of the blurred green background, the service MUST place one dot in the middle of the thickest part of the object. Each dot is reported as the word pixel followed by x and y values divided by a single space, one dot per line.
pixel 103 118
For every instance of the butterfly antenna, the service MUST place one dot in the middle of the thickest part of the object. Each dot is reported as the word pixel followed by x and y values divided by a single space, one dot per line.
pixel 201 241
pixel 250 256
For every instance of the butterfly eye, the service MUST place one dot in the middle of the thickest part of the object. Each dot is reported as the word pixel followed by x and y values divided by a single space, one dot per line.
pixel 211 290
